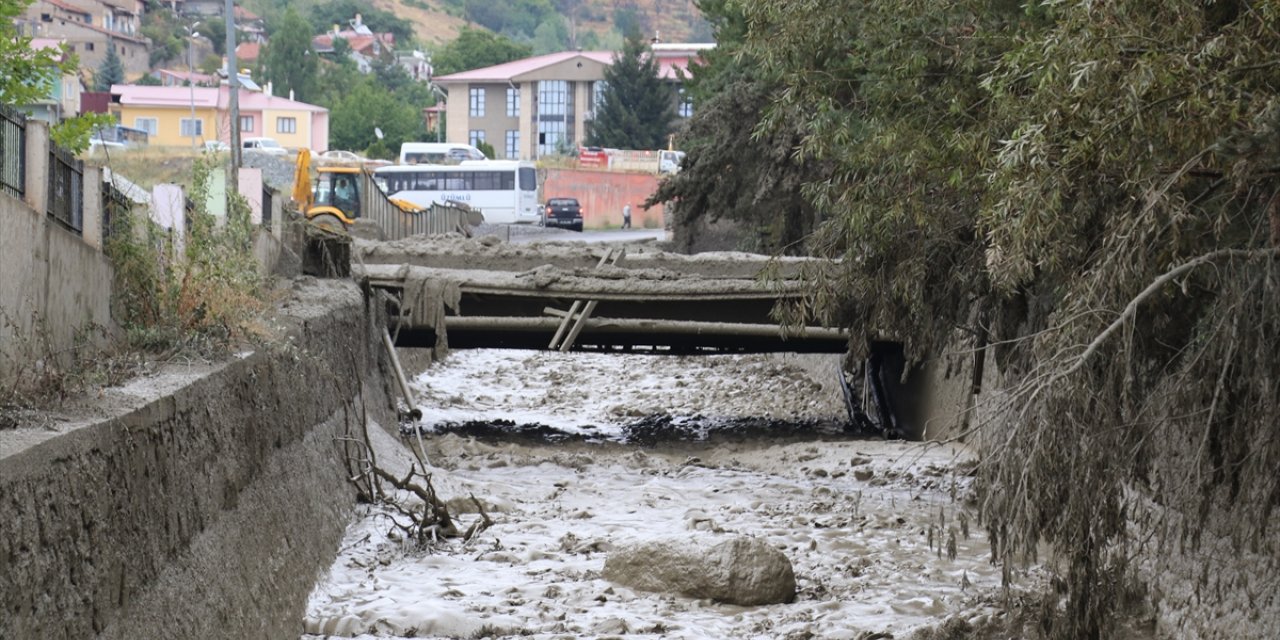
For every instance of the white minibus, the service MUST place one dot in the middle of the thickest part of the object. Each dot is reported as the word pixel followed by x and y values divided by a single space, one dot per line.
pixel 504 191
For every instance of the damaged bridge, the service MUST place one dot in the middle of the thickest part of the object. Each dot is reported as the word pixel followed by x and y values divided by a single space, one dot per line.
pixel 479 293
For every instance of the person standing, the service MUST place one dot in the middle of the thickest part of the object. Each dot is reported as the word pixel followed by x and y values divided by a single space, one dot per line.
pixel 626 216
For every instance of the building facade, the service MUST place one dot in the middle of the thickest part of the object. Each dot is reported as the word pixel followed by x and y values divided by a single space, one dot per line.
pixel 540 106
pixel 91 28
pixel 181 116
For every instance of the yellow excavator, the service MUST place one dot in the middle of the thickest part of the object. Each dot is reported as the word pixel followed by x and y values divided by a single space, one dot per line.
pixel 339 195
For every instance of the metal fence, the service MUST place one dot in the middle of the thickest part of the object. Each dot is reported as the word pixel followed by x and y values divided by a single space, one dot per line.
pixel 66 189
pixel 13 151
pixel 115 205
pixel 396 223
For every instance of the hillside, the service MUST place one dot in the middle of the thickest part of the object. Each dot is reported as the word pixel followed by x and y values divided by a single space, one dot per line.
pixel 584 21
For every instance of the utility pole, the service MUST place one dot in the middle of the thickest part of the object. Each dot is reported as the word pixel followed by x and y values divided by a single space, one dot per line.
pixel 233 78
pixel 191 78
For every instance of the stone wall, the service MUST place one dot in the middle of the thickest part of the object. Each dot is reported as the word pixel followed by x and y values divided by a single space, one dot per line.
pixel 207 512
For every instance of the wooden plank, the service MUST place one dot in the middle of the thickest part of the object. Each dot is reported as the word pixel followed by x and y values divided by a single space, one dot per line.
pixel 578 325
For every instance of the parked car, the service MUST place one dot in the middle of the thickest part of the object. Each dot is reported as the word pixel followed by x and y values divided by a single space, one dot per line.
pixel 216 146
pixel 263 145
pixel 563 212
pixel 338 156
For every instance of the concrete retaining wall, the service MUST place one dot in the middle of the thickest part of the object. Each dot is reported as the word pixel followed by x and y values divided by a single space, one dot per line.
pixel 55 289
pixel 206 513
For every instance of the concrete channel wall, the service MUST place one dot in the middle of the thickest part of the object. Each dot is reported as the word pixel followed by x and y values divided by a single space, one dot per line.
pixel 208 512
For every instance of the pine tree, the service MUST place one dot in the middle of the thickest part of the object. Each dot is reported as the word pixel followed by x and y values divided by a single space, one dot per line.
pixel 637 106
pixel 111 72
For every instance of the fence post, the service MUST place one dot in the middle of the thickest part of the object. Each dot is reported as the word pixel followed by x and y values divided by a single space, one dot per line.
pixel 92 227
pixel 37 187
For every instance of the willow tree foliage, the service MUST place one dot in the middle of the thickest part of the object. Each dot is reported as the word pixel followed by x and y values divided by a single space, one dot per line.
pixel 1094 187
pixel 729 171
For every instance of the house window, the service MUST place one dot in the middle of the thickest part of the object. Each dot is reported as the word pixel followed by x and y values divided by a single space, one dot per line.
pixel 246 124
pixel 513 102
pixel 553 97
pixel 44 17
pixel 88 46
pixel 191 128
pixel 513 145
pixel 477 102
pixel 685 109
pixel 476 136
pixel 150 125
pixel 286 125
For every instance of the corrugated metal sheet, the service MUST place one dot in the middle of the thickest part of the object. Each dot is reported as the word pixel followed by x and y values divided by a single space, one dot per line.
pixel 397 223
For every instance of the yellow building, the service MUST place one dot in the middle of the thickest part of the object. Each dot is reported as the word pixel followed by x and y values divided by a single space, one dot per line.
pixel 177 116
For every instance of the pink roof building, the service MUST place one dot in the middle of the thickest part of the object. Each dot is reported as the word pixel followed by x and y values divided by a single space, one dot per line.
pixel 540 106
pixel 292 123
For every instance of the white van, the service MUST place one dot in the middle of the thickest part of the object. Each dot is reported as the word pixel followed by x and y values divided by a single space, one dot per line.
pixel 264 145
pixel 438 153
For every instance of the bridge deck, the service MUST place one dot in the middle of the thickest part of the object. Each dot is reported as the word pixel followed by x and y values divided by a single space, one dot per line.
pixel 646 308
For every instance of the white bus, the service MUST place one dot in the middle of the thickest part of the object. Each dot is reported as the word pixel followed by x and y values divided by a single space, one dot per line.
pixel 437 153
pixel 504 191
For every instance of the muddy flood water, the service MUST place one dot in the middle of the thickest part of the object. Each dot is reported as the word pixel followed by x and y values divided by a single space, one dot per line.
pixel 580 456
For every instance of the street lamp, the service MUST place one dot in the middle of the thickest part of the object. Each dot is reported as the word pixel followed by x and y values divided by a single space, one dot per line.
pixel 191 77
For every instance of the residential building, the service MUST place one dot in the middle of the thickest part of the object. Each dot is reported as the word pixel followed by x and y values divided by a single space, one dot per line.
pixel 247 54
pixel 251 25
pixel 366 46
pixel 91 28
pixel 540 106
pixel 62 99
pixel 174 116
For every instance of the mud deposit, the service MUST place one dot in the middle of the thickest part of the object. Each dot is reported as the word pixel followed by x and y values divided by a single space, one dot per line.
pixel 576 456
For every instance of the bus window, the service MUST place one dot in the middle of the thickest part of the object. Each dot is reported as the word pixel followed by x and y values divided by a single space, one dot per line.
pixel 528 179
pixel 508 181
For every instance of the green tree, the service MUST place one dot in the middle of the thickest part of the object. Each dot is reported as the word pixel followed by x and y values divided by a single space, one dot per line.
pixel 366 108
pixel 215 29
pixel 476 49
pixel 289 62
pixel 637 108
pixel 517 18
pixel 110 72
pixel 729 172
pixel 551 36
pixel 28 74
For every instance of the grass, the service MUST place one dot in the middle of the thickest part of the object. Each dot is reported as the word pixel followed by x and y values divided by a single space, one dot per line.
pixel 150 166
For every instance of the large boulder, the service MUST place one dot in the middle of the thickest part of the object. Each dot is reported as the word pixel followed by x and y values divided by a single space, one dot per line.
pixel 740 570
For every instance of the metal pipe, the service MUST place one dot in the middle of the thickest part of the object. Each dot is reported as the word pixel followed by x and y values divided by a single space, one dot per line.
pixel 633 325
pixel 404 384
